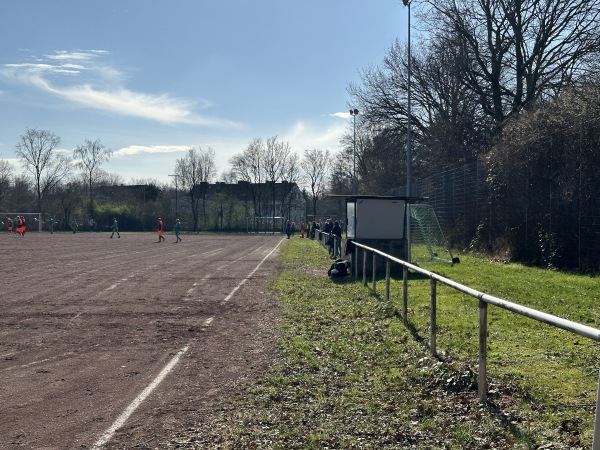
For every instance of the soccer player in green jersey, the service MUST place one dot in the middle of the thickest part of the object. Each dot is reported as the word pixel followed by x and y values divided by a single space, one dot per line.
pixel 177 230
pixel 115 229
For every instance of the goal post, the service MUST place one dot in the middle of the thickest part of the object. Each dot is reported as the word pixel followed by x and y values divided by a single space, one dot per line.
pixel 426 231
pixel 33 221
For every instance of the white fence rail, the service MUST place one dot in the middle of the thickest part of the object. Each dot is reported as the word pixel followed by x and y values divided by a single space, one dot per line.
pixel 484 301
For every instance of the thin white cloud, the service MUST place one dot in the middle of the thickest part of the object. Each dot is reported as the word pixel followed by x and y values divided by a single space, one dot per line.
pixel 342 115
pixel 12 161
pixel 76 56
pixel 303 137
pixel 98 92
pixel 24 72
pixel 153 150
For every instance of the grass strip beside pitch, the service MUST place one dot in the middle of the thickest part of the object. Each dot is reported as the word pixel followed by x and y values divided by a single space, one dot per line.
pixel 350 374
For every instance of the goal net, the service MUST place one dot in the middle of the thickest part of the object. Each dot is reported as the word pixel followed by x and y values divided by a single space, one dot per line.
pixel 33 221
pixel 427 236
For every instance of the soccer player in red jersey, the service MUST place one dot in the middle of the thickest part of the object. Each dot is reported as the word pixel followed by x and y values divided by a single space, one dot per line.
pixel 161 238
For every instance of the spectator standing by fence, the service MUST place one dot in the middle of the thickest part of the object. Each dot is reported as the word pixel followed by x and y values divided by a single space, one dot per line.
pixel 313 229
pixel 336 235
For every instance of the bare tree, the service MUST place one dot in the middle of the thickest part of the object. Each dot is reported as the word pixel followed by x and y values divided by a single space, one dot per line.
pixel 229 176
pixel 340 179
pixel 315 165
pixel 90 157
pixel 70 195
pixel 249 165
pixel 265 163
pixel 194 171
pixel 47 167
pixel 5 177
pixel 519 51
pixel 281 164
pixel 448 126
pixel 277 154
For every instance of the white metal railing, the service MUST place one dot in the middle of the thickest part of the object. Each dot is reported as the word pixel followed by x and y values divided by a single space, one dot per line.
pixel 484 301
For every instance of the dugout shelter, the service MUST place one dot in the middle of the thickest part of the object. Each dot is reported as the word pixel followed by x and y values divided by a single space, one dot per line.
pixel 379 222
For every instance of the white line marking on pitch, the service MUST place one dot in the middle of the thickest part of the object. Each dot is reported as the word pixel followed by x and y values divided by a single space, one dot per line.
pixel 107 435
pixel 119 282
pixel 241 283
pixel 41 361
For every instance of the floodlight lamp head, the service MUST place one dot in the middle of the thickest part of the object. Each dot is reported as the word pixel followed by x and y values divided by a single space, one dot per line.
pixel 356 112
pixel 406 2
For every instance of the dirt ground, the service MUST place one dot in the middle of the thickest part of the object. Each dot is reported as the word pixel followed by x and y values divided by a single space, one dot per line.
pixel 112 343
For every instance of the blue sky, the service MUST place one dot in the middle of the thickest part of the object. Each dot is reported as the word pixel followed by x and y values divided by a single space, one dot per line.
pixel 151 78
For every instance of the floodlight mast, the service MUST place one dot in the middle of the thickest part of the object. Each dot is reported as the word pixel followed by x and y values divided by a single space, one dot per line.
pixel 409 114
pixel 354 113
pixel 408 142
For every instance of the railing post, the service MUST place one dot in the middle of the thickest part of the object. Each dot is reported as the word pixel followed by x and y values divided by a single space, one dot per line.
pixel 355 262
pixel 388 265
pixel 374 274
pixel 334 246
pixel 365 268
pixel 596 440
pixel 433 316
pixel 404 293
pixel 482 383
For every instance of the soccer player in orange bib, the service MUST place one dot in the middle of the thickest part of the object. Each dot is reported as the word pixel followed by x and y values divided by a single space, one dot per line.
pixel 161 238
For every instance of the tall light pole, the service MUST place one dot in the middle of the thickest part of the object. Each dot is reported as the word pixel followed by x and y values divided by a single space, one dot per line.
pixel 354 113
pixel 176 199
pixel 408 121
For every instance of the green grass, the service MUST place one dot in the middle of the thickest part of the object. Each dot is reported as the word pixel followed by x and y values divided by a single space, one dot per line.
pixel 350 374
pixel 557 369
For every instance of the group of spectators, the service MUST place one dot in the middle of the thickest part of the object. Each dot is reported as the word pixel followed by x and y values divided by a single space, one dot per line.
pixel 332 229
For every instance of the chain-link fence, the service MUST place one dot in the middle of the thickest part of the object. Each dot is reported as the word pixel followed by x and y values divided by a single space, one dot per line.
pixel 543 211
